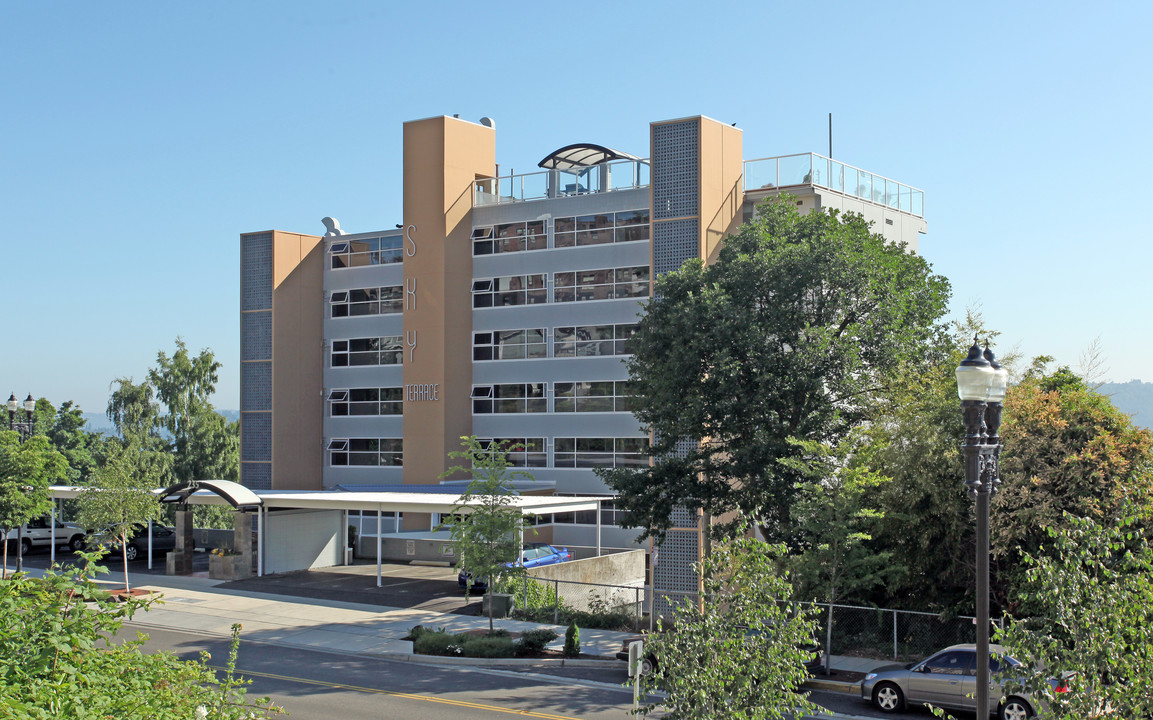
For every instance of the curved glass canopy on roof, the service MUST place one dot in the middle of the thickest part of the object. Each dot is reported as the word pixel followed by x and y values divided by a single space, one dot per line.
pixel 581 155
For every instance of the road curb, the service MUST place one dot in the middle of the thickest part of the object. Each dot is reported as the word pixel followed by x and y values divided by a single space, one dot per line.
pixel 500 662
pixel 833 686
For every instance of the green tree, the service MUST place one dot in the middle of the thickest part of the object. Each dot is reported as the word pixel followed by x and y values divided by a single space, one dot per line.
pixel 133 410
pixel 833 559
pixel 789 334
pixel 59 659
pixel 487 530
pixel 67 434
pixel 204 446
pixel 914 439
pixel 737 652
pixel 27 469
pixel 1091 596
pixel 121 496
pixel 1068 452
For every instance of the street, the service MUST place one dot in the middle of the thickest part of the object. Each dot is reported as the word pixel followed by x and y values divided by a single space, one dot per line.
pixel 313 685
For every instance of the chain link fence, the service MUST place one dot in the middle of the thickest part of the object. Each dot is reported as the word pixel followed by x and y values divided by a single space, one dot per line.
pixel 902 635
pixel 590 605
pixel 882 633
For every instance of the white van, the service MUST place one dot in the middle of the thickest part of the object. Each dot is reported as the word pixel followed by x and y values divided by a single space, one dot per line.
pixel 40 533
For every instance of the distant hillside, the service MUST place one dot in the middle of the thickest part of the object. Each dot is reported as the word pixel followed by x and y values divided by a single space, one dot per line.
pixel 99 422
pixel 1134 397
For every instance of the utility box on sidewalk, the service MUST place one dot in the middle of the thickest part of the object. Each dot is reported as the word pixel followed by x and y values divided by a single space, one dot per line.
pixel 501 604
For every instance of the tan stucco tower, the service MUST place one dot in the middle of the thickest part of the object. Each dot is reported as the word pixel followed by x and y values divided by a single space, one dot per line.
pixel 280 401
pixel 443 157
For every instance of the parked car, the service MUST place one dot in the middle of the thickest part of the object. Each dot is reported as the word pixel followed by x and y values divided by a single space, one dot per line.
pixel 163 540
pixel 814 656
pixel 533 555
pixel 949 679
pixel 41 533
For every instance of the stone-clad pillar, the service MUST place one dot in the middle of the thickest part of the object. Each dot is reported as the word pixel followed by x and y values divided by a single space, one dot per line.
pixel 179 561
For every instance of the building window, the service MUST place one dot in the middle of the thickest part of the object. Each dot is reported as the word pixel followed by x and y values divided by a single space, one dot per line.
pixel 509 398
pixel 510 344
pixel 369 251
pixel 366 452
pixel 511 290
pixel 602 284
pixel 367 301
pixel 523 452
pixel 604 396
pixel 600 452
pixel 582 230
pixel 593 340
pixel 387 350
pixel 509 237
pixel 366 401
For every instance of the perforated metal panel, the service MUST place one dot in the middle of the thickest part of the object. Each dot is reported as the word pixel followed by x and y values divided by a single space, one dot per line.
pixel 256 386
pixel 256 272
pixel 256 335
pixel 257 476
pixel 255 436
pixel 674 570
pixel 675 174
pixel 685 518
pixel 674 242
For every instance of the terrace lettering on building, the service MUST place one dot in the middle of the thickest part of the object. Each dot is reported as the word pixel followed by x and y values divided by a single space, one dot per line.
pixel 423 392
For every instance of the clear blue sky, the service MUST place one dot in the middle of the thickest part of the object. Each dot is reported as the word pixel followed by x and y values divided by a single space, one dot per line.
pixel 140 139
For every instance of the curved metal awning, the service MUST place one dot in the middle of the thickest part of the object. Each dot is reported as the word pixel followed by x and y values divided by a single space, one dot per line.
pixel 236 494
pixel 571 157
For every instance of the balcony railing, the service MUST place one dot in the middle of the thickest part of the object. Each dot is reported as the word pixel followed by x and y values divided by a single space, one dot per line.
pixel 813 169
pixel 606 177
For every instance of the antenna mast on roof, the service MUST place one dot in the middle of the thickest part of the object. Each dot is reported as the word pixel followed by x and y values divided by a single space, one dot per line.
pixel 830 136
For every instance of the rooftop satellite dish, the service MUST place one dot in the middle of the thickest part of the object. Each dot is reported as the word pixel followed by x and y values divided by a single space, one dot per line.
pixel 332 227
pixel 488 122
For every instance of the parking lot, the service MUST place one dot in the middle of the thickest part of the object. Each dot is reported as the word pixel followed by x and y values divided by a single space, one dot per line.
pixel 402 585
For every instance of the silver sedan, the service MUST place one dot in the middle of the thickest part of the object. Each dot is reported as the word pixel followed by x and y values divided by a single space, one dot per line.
pixel 947 679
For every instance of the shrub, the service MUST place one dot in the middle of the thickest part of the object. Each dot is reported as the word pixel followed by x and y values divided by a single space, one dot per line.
pixel 488 647
pixel 416 631
pixel 533 641
pixel 437 643
pixel 498 633
pixel 572 641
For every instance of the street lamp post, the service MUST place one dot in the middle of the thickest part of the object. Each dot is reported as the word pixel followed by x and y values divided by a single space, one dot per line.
pixel 981 384
pixel 24 428
pixel 24 431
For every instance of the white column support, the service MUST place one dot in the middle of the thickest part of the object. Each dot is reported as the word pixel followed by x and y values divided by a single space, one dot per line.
pixel 379 520
pixel 344 538
pixel 598 528
pixel 150 541
pixel 52 546
pixel 261 513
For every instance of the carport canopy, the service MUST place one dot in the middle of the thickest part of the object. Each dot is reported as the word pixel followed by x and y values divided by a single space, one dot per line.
pixel 236 494
pixel 224 492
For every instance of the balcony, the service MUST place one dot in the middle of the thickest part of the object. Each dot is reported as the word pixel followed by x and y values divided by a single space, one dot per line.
pixel 787 171
pixel 601 178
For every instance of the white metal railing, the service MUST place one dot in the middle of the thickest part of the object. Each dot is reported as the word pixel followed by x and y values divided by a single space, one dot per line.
pixel 605 177
pixel 813 169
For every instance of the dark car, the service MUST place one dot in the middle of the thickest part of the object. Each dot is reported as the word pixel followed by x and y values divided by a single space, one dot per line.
pixel 814 655
pixel 163 540
pixel 534 555
pixel 949 679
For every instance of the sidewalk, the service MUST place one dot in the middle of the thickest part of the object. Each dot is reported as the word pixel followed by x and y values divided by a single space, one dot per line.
pixel 200 604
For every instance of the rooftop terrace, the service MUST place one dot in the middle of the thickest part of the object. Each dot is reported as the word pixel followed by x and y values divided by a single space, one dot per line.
pixel 764 174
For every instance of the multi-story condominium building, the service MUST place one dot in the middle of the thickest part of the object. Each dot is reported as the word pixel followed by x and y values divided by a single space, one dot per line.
pixel 501 307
